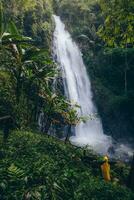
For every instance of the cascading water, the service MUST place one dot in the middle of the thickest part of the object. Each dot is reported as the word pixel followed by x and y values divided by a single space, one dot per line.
pixel 77 88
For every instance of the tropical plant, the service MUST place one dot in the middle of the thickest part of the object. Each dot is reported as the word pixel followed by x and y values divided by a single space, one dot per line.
pixel 34 166
pixel 58 110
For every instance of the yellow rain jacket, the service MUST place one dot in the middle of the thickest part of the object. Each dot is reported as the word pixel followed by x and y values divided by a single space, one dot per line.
pixel 105 168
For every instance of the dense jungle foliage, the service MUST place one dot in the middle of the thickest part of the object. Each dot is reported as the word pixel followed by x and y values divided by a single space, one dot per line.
pixel 37 167
pixel 104 30
pixel 40 167
pixel 27 68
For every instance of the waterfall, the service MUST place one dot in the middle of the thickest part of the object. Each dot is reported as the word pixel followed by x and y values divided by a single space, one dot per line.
pixel 77 88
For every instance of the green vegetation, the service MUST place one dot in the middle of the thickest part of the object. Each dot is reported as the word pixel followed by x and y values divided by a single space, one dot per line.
pixel 104 31
pixel 27 73
pixel 33 166
pixel 37 167
pixel 32 17
pixel 118 26
pixel 25 68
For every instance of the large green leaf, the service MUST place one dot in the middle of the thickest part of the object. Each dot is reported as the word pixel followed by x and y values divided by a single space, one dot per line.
pixel 12 28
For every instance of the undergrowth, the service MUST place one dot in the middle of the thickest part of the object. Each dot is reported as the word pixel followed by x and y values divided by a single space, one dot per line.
pixel 33 166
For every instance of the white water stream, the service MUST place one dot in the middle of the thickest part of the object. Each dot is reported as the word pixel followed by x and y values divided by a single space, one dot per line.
pixel 77 88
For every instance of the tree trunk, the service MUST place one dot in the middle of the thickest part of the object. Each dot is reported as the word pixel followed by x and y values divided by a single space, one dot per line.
pixel 68 134
pixel 125 80
pixel 47 125
pixel 130 181
pixel 8 125
pixel 18 89
pixel 125 72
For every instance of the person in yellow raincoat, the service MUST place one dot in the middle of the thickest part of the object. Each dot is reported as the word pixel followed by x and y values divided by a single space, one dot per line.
pixel 105 168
